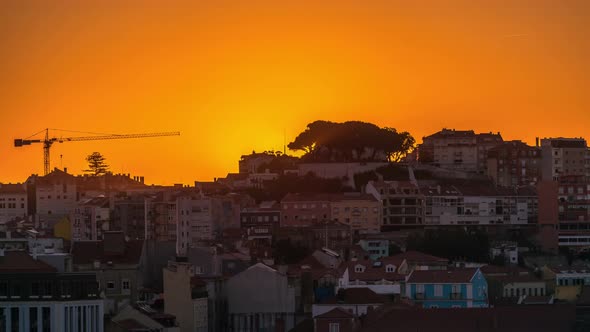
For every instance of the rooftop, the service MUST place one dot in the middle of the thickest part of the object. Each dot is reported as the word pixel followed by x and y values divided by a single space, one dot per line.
pixel 539 318
pixel 116 252
pixel 360 295
pixel 413 257
pixel 335 313
pixel 441 276
pixel 22 262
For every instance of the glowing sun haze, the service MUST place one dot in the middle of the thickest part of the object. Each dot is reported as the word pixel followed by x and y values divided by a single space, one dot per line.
pixel 235 77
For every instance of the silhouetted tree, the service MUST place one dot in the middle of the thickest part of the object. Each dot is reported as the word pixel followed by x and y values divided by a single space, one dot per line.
pixel 351 141
pixel 96 164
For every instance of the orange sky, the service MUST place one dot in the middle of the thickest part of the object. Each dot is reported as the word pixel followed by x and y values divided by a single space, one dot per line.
pixel 234 76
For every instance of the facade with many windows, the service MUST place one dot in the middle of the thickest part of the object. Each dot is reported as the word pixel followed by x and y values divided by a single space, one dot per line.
pixel 401 201
pixel 13 202
pixel 34 297
pixel 466 288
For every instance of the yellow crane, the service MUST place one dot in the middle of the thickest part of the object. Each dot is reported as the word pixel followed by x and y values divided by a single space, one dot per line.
pixel 48 141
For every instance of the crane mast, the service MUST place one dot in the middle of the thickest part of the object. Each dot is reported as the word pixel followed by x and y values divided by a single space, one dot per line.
pixel 48 142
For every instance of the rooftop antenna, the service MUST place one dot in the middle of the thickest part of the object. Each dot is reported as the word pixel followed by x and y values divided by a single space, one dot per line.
pixel 61 161
pixel 284 141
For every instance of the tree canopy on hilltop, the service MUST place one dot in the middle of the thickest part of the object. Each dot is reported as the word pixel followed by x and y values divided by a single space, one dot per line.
pixel 351 141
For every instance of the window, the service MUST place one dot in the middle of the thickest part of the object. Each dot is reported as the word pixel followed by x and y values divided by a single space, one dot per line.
pixel 110 285
pixel 35 289
pixel 390 268
pixel 438 290
pixel 419 291
pixel 3 289
pixel 359 268
pixel 334 327
pixel 126 286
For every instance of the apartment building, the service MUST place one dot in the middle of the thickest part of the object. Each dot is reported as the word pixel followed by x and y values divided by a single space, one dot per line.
pixel 160 217
pixel 13 201
pixel 573 197
pixel 362 212
pixel 473 204
pixel 461 150
pixel 564 157
pixel 35 297
pixel 305 209
pixel 90 219
pixel 194 221
pixel 129 215
pixel 402 202
pixel 55 196
pixel 514 163
pixel 261 222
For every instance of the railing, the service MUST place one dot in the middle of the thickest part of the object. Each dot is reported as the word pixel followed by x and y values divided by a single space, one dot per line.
pixel 456 296
pixel 419 296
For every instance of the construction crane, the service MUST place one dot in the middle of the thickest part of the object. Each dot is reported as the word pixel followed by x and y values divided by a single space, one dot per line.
pixel 47 142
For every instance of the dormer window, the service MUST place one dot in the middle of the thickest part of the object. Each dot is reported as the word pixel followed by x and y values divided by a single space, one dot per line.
pixel 359 269
pixel 390 268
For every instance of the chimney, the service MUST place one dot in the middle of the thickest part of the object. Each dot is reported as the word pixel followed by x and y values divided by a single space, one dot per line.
pixel 65 169
pixel 537 141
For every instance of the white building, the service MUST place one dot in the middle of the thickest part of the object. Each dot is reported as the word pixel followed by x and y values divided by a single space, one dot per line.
pixel 43 300
pixel 194 221
pixel 56 196
pixel 90 219
pixel 379 277
pixel 479 205
pixel 507 250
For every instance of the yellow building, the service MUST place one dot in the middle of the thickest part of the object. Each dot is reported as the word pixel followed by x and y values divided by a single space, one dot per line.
pixel 362 212
pixel 567 281
pixel 63 229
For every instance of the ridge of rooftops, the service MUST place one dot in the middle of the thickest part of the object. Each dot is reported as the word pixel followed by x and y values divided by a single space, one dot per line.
pixel 327 197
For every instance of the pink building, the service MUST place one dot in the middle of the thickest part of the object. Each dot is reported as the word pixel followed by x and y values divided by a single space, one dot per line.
pixel 305 209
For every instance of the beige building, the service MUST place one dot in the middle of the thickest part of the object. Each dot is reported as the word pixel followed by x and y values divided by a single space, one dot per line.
pixel 402 202
pixel 362 212
pixel 567 281
pixel 185 296
pixel 462 150
pixel 564 156
pixel 56 196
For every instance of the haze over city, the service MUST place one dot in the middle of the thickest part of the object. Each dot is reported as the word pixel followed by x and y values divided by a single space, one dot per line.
pixel 236 77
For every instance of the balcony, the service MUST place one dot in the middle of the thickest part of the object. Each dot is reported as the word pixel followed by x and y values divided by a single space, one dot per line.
pixel 456 296
pixel 420 296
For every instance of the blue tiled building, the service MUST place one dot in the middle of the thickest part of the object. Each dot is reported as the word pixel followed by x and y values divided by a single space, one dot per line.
pixel 464 288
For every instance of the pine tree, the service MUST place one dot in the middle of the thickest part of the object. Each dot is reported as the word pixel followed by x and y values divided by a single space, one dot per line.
pixel 96 164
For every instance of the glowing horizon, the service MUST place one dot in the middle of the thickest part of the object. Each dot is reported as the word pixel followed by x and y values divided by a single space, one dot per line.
pixel 236 77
